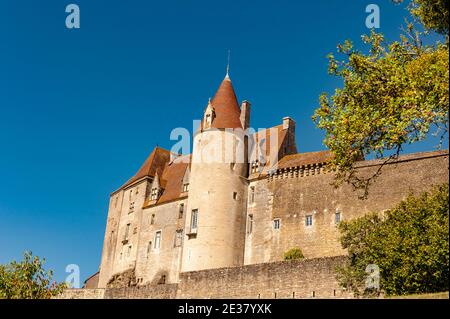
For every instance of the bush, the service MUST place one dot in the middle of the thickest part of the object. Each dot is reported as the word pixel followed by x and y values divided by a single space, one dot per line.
pixel 294 253
pixel 409 244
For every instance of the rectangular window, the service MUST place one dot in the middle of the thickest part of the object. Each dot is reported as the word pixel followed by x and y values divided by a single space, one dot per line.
pixel 178 238
pixel 185 187
pixel 158 240
pixel 194 220
pixel 337 217
pixel 309 220
pixel 152 219
pixel 235 195
pixel 254 167
pixel 127 232
pixel 252 194
pixel 181 211
pixel 154 195
pixel 131 208
pixel 250 224
pixel 149 248
pixel 276 223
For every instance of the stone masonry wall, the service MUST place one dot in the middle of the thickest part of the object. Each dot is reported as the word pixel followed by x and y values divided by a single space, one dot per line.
pixel 309 278
pixel 291 199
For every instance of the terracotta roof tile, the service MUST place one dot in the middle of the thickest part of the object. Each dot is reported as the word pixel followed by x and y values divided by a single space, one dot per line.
pixel 304 159
pixel 263 140
pixel 153 164
pixel 171 179
pixel 226 107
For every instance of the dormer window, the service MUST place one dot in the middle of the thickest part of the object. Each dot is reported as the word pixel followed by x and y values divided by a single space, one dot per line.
pixel 154 194
pixel 255 167
pixel 209 115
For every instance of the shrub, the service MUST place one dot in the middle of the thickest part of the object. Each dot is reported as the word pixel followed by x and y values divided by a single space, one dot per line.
pixel 294 253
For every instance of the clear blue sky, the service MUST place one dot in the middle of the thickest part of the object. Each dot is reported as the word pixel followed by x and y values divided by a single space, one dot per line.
pixel 80 110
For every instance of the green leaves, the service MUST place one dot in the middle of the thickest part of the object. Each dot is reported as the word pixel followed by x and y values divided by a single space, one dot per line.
pixel 293 253
pixel 27 280
pixel 408 243
pixel 392 96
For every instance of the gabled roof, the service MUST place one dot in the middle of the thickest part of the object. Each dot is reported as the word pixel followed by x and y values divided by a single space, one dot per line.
pixel 171 180
pixel 153 164
pixel 261 143
pixel 226 107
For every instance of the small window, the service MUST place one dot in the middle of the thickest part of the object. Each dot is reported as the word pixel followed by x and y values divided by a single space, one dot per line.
pixel 194 220
pixel 152 219
pixel 154 195
pixel 178 238
pixel 158 240
pixel 252 194
pixel 185 187
pixel 276 223
pixel 149 248
pixel 131 210
pixel 181 211
pixel 254 166
pixel 337 217
pixel 127 232
pixel 309 220
pixel 235 195
pixel 250 224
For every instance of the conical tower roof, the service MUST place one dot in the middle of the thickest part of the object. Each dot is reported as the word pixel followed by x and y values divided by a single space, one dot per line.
pixel 226 107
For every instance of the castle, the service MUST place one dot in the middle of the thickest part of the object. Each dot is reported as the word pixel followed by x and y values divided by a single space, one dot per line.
pixel 240 200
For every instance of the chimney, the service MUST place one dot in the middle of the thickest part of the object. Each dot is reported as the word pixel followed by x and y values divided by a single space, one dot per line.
pixel 245 114
pixel 288 123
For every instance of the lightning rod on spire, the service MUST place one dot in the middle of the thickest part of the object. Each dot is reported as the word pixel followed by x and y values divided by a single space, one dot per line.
pixel 228 64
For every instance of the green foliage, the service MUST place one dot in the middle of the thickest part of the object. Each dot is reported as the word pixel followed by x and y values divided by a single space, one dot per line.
pixel 293 253
pixel 409 244
pixel 396 94
pixel 27 280
pixel 433 14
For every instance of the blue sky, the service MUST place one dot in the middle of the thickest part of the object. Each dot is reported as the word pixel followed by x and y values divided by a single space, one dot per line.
pixel 80 110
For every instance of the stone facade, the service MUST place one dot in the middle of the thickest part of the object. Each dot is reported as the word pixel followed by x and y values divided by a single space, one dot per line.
pixel 181 217
pixel 309 278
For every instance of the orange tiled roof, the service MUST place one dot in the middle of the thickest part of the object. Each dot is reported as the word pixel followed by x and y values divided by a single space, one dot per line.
pixel 153 164
pixel 262 143
pixel 226 107
pixel 304 159
pixel 171 179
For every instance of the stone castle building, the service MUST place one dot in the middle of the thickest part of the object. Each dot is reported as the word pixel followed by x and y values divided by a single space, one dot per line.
pixel 225 207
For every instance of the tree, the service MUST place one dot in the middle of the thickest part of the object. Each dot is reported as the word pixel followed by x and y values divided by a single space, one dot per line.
pixel 293 253
pixel 396 94
pixel 433 14
pixel 28 280
pixel 409 244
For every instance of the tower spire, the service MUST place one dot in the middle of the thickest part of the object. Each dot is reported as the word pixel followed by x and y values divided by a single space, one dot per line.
pixel 228 64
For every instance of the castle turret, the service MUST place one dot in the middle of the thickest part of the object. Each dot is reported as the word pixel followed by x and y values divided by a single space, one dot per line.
pixel 215 224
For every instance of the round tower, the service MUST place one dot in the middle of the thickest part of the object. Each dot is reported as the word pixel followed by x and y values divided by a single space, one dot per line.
pixel 215 221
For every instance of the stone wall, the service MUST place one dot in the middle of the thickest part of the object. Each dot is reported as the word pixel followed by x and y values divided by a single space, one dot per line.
pixel 168 291
pixel 291 199
pixel 83 293
pixel 309 278
pixel 314 278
